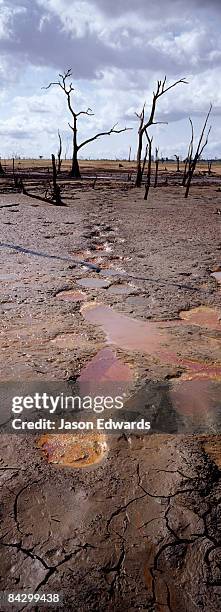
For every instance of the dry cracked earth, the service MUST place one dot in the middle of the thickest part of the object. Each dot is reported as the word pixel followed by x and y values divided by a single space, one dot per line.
pixel 138 529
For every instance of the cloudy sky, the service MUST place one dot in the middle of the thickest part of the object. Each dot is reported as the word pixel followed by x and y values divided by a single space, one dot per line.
pixel 117 49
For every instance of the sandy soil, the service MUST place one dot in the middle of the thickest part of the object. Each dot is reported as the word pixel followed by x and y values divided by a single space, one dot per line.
pixel 105 165
pixel 138 530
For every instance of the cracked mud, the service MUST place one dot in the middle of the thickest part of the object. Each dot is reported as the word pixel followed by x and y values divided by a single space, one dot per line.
pixel 126 522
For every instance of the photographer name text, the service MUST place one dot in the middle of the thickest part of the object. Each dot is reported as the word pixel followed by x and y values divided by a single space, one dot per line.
pixel 100 424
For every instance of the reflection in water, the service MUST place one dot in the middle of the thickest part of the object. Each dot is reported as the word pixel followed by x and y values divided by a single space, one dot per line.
pixel 154 338
pixel 199 400
pixel 105 367
pixel 190 404
pixel 93 283
pixel 106 375
pixel 196 395
pixel 121 289
pixel 130 334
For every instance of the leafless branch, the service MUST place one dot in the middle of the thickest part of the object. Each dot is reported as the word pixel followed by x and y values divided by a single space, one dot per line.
pixel 203 141
pixel 150 140
pixel 68 88
pixel 145 124
pixel 159 92
pixel 189 157
pixel 108 133
pixel 88 112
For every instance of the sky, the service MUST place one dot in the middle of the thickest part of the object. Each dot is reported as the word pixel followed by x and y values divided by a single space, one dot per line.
pixel 117 50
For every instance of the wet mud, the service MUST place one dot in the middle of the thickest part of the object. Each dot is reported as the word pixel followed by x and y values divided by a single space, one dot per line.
pixel 115 522
pixel 71 296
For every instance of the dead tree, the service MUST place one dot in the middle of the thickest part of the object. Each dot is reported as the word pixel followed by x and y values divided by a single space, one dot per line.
pixel 56 194
pixel 210 163
pixel 203 141
pixel 177 162
pixel 147 188
pixel 2 172
pixel 59 153
pixel 144 160
pixel 156 168
pixel 68 89
pixel 188 160
pixel 15 176
pixel 94 181
pixel 146 123
pixel 129 156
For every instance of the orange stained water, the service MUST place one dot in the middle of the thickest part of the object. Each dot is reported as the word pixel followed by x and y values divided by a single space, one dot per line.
pixel 84 449
pixel 201 370
pixel 195 395
pixel 106 366
pixel 106 375
pixel 130 334
pixel 78 450
pixel 152 337
pixel 197 399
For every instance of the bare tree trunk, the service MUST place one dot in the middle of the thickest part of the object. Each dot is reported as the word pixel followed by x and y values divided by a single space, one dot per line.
pixel 185 173
pixel 59 153
pixel 2 172
pixel 139 166
pixel 15 177
pixel 146 123
pixel 94 181
pixel 147 188
pixel 34 196
pixel 156 169
pixel 144 161
pixel 75 170
pixel 178 163
pixel 201 146
pixel 210 167
pixel 189 158
pixel 68 89
pixel 189 179
pixel 129 156
pixel 56 188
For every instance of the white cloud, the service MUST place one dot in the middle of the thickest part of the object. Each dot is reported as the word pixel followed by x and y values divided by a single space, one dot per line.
pixel 117 54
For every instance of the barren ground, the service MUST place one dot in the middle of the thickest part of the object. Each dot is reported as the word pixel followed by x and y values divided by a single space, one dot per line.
pixel 139 530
